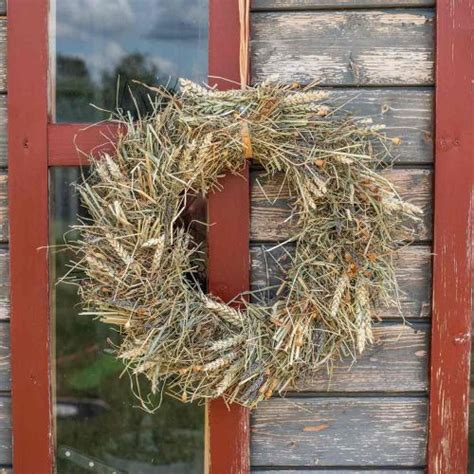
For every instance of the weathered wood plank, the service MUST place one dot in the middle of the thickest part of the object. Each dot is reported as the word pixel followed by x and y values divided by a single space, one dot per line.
pixel 3 49
pixel 333 4
pixel 386 431
pixel 5 377
pixel 5 431
pixel 404 112
pixel 366 47
pixel 3 207
pixel 4 284
pixel 3 130
pixel 340 471
pixel 269 218
pixel 397 362
pixel 413 270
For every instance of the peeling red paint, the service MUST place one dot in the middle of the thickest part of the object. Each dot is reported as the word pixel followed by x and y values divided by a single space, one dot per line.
pixel 452 262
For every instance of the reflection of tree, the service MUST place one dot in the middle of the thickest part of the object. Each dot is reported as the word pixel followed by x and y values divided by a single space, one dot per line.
pixel 118 88
pixel 75 89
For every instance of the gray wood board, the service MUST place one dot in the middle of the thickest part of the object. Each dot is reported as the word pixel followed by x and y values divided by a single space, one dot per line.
pixel 353 47
pixel 3 130
pixel 3 50
pixel 4 284
pixel 5 431
pixel 257 5
pixel 413 271
pixel 3 207
pixel 5 375
pixel 406 113
pixel 343 431
pixel 397 362
pixel 270 208
pixel 332 471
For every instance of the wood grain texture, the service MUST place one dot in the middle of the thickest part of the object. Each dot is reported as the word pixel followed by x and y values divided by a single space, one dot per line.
pixel 397 362
pixel 386 431
pixel 3 49
pixel 5 431
pixel 448 449
pixel 406 113
pixel 5 375
pixel 270 207
pixel 3 130
pixel 333 4
pixel 340 471
pixel 366 47
pixel 4 231
pixel 4 284
pixel 413 270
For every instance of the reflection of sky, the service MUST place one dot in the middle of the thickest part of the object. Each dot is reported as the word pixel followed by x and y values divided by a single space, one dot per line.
pixel 172 33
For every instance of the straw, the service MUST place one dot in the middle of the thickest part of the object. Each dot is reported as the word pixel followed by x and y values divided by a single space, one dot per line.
pixel 141 260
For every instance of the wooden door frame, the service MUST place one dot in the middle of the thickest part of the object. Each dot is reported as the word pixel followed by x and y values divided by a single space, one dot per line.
pixel 35 144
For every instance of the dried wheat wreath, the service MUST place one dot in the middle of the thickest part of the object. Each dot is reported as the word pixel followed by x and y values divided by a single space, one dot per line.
pixel 140 260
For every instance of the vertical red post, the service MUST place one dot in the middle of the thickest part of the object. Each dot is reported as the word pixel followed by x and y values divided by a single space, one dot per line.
pixel 228 240
pixel 452 265
pixel 28 200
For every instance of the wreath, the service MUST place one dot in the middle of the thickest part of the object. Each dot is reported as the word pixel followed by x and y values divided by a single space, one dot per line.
pixel 141 258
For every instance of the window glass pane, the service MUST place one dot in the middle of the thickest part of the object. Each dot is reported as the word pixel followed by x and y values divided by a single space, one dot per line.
pixel 99 427
pixel 97 41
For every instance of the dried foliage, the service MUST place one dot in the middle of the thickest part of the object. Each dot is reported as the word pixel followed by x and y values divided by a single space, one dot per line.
pixel 140 261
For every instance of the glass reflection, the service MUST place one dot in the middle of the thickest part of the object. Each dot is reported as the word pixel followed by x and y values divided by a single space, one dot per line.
pixel 99 427
pixel 102 45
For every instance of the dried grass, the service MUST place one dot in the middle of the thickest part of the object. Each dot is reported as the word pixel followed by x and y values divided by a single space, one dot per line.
pixel 140 262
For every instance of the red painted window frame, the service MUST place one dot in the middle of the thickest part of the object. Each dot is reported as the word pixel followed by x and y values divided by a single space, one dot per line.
pixel 453 239
pixel 35 144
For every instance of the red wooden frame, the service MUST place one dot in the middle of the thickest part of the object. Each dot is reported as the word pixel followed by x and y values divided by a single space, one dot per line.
pixel 35 144
pixel 453 245
pixel 28 56
pixel 228 244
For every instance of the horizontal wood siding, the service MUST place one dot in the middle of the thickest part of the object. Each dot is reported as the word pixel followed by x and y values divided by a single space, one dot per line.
pixel 333 4
pixel 270 208
pixel 413 270
pixel 340 431
pixel 406 113
pixel 5 377
pixel 5 431
pixel 371 418
pixel 397 362
pixel 386 47
pixel 3 49
pixel 339 471
pixel 3 130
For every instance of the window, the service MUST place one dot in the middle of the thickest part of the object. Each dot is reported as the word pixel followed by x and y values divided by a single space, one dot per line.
pixel 101 48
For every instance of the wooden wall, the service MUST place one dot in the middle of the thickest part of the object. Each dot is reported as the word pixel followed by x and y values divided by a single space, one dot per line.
pixel 372 418
pixel 5 382
pixel 379 54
